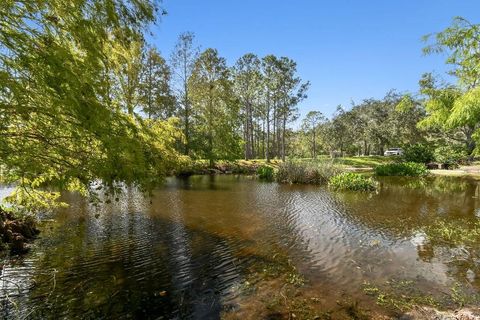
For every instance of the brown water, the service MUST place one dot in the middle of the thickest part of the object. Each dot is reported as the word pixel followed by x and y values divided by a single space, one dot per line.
pixel 188 252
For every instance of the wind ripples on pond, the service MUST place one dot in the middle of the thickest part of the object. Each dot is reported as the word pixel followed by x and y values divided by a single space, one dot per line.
pixel 186 253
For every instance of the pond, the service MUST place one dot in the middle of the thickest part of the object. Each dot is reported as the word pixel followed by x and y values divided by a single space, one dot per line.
pixel 229 246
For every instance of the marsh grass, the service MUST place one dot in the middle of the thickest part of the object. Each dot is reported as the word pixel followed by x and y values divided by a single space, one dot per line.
pixel 306 173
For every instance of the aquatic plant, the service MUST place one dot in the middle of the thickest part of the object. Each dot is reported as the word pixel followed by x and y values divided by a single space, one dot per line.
pixel 410 169
pixel 399 295
pixel 265 173
pixel 460 232
pixel 353 182
pixel 306 173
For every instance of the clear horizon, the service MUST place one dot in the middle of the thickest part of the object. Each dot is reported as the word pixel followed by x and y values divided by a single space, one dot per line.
pixel 348 50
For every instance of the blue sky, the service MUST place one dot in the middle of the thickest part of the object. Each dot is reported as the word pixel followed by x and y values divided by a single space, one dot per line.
pixel 348 49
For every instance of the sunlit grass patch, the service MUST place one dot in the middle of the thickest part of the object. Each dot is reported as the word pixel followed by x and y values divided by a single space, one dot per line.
pixel 363 161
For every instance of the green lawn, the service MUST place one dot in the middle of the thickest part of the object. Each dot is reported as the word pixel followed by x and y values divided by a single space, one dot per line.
pixel 362 162
pixel 367 162
pixel 356 162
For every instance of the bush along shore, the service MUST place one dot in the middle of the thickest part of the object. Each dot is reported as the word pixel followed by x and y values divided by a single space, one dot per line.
pixel 290 172
pixel 353 182
pixel 16 232
pixel 200 167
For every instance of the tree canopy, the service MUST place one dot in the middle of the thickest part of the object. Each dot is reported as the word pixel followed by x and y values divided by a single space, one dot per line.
pixel 62 123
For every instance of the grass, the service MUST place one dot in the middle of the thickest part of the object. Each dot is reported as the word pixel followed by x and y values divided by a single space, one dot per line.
pixel 363 161
pixel 201 166
pixel 357 162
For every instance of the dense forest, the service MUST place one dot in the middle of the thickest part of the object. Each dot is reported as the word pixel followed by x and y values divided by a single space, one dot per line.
pixel 85 98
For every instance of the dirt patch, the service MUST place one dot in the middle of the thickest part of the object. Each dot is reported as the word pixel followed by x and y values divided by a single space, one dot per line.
pixel 421 313
pixel 15 233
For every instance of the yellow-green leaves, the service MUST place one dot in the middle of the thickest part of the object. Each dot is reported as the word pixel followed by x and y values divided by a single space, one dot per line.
pixel 61 123
pixel 466 109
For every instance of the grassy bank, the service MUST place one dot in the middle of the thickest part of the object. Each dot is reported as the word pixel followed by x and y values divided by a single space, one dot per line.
pixel 251 166
pixel 199 167
pixel 350 164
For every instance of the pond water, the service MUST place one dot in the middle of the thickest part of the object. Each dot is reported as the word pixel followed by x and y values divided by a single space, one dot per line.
pixel 190 251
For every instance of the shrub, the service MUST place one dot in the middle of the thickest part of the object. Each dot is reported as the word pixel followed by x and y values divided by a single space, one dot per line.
pixel 450 156
pixel 265 173
pixel 411 169
pixel 306 173
pixel 352 181
pixel 190 167
pixel 419 153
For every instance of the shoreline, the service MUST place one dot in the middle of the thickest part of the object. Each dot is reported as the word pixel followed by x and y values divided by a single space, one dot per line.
pixel 16 232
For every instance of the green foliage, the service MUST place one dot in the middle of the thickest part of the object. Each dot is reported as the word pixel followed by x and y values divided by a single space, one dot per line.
pixel 359 162
pixel 306 173
pixel 450 155
pixel 439 103
pixel 455 108
pixel 460 232
pixel 352 181
pixel 216 109
pixel 64 93
pixel 406 103
pixel 311 130
pixel 247 85
pixel 466 109
pixel 460 40
pixel 371 126
pixel 156 98
pixel 265 173
pixel 419 153
pixel 182 60
pixel 410 169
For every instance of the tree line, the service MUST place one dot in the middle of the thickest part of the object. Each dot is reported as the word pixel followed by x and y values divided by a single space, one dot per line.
pixel 225 112
pixel 246 110
pixel 442 116
pixel 68 94
pixel 367 128
pixel 84 98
